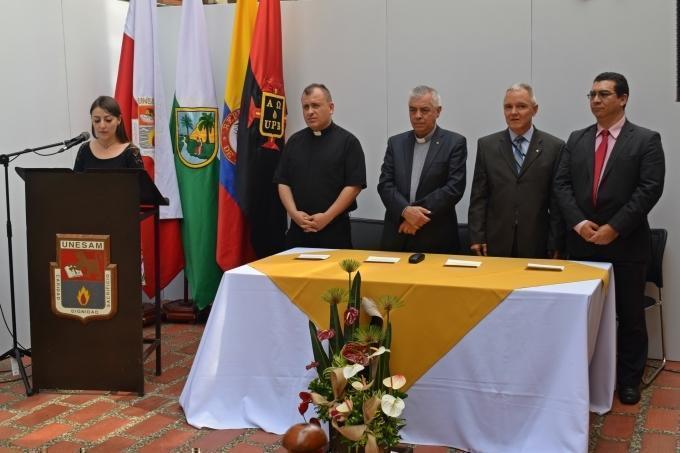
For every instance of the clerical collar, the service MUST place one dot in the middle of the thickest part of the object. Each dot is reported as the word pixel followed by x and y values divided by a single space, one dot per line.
pixel 427 138
pixel 323 131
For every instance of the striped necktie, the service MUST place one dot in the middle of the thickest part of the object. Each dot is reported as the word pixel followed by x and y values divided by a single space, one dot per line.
pixel 518 152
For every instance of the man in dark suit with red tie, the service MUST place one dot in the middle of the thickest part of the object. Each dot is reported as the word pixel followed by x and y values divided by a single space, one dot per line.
pixel 610 176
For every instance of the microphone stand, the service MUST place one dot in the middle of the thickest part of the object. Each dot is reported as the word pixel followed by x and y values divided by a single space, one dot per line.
pixel 17 352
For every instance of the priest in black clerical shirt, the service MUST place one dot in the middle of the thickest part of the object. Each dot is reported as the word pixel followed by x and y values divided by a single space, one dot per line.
pixel 320 174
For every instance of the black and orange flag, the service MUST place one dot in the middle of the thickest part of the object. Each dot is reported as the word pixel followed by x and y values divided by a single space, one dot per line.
pixel 261 133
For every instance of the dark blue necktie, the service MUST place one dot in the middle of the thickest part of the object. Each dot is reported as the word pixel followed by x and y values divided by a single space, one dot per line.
pixel 517 152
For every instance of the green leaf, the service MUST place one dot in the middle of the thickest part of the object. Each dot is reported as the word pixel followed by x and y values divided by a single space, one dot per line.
pixel 384 359
pixel 336 342
pixel 319 354
pixel 354 302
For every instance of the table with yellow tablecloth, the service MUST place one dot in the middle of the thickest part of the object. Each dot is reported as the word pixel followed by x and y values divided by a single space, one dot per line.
pixel 498 355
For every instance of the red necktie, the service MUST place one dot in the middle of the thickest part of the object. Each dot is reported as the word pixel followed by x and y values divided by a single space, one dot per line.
pixel 600 154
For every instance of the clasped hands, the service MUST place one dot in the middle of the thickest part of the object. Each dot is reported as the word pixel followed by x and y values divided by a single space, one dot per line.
pixel 415 217
pixel 596 234
pixel 311 223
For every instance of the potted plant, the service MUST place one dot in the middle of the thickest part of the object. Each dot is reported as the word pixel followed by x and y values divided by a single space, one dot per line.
pixel 354 391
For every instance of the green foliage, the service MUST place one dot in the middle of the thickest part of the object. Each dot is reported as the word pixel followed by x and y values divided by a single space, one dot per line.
pixel 349 265
pixel 388 433
pixel 335 296
pixel 322 386
pixel 354 302
pixel 336 343
pixel 317 348
pixel 383 370
pixel 368 334
pixel 384 428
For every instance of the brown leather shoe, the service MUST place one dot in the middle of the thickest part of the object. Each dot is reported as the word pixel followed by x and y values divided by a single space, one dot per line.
pixel 629 394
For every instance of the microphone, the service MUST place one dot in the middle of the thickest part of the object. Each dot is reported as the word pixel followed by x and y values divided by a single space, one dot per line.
pixel 75 140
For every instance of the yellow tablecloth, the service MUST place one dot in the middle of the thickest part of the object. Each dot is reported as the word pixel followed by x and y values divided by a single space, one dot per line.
pixel 441 303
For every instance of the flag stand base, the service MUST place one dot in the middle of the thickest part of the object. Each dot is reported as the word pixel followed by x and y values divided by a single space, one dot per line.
pixel 180 310
pixel 148 313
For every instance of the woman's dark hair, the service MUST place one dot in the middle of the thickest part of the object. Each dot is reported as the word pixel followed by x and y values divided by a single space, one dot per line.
pixel 110 105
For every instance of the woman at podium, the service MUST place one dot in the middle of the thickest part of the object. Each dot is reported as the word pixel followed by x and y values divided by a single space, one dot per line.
pixel 110 147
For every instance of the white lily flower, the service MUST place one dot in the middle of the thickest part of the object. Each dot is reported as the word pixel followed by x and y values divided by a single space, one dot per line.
pixel 392 406
pixel 319 400
pixel 345 407
pixel 362 385
pixel 378 351
pixel 351 370
pixel 395 382
pixel 369 306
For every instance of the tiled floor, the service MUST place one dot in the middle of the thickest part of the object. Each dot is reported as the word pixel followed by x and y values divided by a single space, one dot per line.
pixel 110 422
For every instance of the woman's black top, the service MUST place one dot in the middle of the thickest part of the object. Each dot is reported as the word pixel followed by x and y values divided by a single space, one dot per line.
pixel 129 158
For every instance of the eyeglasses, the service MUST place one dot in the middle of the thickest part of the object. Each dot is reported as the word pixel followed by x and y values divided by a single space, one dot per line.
pixel 603 94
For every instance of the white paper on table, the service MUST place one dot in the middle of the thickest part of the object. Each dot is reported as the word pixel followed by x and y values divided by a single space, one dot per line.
pixel 462 263
pixel 311 256
pixel 382 259
pixel 545 267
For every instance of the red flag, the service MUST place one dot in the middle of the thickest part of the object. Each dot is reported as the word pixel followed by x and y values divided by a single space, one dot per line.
pixel 139 91
pixel 260 134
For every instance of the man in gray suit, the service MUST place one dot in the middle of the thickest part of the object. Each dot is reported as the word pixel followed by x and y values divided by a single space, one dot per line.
pixel 512 211
pixel 421 180
pixel 610 176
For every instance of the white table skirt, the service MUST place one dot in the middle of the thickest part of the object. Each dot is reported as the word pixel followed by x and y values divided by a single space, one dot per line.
pixel 524 379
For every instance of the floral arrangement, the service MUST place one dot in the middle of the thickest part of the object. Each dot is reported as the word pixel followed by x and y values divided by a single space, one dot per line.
pixel 354 391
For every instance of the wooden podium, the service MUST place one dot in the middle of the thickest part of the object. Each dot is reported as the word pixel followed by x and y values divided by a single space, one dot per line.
pixel 95 353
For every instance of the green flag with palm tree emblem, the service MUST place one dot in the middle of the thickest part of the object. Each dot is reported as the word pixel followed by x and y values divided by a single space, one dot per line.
pixel 193 128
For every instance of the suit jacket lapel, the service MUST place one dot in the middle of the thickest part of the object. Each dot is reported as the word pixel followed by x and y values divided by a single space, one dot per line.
pixel 533 151
pixel 505 150
pixel 624 135
pixel 589 144
pixel 406 152
pixel 432 150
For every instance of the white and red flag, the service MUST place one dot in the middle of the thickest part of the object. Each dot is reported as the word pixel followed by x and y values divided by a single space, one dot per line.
pixel 139 91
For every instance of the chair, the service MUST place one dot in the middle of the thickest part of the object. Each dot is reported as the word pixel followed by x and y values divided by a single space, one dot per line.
pixel 655 276
pixel 366 233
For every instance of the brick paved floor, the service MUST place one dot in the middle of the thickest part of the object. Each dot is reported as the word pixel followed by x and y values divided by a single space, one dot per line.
pixel 112 422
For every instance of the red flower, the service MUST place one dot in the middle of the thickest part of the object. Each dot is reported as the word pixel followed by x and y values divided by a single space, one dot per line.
pixel 356 353
pixel 306 398
pixel 311 365
pixel 325 334
pixel 338 416
pixel 351 316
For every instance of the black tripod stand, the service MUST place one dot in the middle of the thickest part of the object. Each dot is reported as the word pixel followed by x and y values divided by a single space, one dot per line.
pixel 17 352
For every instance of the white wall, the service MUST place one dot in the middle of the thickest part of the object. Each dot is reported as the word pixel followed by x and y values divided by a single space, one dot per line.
pixel 53 62
pixel 58 56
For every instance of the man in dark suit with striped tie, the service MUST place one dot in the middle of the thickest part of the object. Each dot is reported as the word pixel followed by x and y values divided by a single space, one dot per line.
pixel 512 210
pixel 610 176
